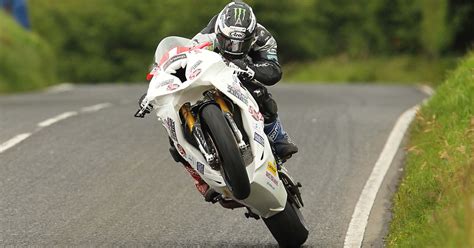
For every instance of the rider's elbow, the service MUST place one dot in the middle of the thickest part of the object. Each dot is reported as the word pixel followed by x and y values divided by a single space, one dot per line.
pixel 273 77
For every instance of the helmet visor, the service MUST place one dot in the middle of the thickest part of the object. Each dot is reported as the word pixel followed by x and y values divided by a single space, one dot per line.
pixel 232 46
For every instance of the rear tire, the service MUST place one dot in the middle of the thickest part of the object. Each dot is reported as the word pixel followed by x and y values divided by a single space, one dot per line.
pixel 288 227
pixel 233 167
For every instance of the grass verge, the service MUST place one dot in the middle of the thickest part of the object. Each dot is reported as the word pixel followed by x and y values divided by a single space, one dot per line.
pixel 397 69
pixel 434 206
pixel 26 61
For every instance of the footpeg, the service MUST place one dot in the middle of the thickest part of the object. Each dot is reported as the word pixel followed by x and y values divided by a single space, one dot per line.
pixel 251 214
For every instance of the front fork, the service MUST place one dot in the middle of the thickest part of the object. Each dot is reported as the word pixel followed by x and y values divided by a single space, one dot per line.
pixel 230 119
pixel 196 130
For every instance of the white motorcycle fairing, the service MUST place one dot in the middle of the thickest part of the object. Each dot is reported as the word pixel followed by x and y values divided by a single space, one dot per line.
pixel 206 70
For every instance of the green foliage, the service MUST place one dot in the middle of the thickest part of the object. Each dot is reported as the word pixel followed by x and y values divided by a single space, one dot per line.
pixel 106 40
pixel 434 204
pixel 26 61
pixel 394 69
pixel 435 31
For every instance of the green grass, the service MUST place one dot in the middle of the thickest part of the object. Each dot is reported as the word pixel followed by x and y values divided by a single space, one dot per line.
pixel 26 61
pixel 397 69
pixel 434 206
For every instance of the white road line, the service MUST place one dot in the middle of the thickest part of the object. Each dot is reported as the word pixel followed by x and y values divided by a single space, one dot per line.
pixel 95 108
pixel 14 141
pixel 426 89
pixel 19 138
pixel 356 230
pixel 55 119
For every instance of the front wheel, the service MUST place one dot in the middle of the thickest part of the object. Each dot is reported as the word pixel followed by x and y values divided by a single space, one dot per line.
pixel 233 166
pixel 288 227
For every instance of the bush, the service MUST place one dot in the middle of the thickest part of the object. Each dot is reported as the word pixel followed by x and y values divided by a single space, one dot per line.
pixel 106 40
pixel 26 61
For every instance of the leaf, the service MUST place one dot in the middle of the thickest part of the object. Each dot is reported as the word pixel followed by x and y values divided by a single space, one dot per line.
pixel 414 149
pixel 423 166
pixel 461 149
pixel 444 155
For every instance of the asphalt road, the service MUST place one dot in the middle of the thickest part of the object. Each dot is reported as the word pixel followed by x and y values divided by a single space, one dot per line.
pixel 105 178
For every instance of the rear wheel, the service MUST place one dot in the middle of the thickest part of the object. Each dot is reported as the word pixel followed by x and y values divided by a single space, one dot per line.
pixel 288 227
pixel 233 167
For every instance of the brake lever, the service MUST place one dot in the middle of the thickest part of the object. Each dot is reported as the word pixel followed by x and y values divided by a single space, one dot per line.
pixel 140 113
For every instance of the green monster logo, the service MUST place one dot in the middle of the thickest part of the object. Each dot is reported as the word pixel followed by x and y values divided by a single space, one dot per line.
pixel 239 13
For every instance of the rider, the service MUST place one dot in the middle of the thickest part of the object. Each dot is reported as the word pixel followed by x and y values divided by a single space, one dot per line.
pixel 237 36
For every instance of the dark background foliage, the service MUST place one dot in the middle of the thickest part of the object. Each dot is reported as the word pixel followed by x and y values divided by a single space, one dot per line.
pixel 109 40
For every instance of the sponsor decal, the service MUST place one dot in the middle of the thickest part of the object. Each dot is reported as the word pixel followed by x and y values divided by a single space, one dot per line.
pixel 259 139
pixel 198 63
pixel 172 87
pixel 164 83
pixel 271 177
pixel 271 185
pixel 272 168
pixel 235 91
pixel 237 35
pixel 171 126
pixel 181 150
pixel 274 132
pixel 255 114
pixel 200 167
pixel 257 126
pixel 239 14
pixel 174 59
pixel 190 159
pixel 194 74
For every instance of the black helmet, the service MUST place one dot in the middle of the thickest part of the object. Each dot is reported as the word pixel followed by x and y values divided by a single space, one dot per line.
pixel 235 29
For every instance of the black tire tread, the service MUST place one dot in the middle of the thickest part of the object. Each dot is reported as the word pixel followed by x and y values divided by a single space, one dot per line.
pixel 287 227
pixel 232 162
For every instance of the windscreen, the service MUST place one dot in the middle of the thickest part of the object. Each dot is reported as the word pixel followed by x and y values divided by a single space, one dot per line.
pixel 169 43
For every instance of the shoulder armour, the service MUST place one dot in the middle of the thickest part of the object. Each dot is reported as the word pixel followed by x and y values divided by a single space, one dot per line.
pixel 262 35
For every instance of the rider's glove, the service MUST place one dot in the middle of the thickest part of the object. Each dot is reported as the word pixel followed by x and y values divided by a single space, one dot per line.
pixel 141 104
pixel 245 74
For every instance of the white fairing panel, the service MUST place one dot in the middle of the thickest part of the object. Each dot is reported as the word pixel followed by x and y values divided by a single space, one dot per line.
pixel 206 70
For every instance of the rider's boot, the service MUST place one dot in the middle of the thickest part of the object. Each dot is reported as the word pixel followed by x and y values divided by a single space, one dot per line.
pixel 284 147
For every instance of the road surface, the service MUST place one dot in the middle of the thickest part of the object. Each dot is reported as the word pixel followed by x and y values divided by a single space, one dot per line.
pixel 97 176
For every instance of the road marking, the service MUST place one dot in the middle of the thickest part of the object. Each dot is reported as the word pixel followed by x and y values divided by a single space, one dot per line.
pixel 55 119
pixel 95 108
pixel 426 89
pixel 13 141
pixel 356 230
pixel 19 138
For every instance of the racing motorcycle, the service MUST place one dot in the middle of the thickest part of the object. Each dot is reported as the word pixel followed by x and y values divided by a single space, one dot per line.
pixel 215 125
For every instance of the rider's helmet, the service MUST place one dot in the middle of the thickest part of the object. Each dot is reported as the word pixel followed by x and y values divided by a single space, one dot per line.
pixel 235 30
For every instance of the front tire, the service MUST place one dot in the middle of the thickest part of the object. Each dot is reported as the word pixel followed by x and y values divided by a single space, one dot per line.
pixel 233 166
pixel 288 227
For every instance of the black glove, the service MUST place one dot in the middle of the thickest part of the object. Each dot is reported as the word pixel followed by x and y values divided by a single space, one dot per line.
pixel 245 74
